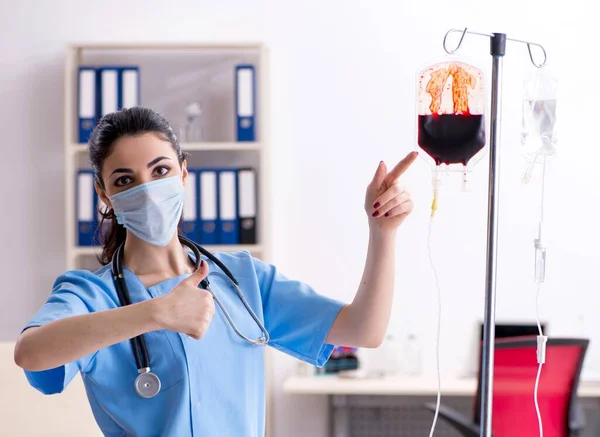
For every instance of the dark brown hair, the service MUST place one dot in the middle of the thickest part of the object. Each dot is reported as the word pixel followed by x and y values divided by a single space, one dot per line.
pixel 127 122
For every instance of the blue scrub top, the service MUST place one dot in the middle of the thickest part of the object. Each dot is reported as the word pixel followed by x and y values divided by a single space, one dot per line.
pixel 212 387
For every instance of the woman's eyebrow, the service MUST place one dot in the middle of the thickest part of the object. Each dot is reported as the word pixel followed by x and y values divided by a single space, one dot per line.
pixel 154 161
pixel 121 170
pixel 150 164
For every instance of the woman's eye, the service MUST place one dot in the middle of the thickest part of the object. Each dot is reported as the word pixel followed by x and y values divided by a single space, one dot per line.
pixel 122 181
pixel 162 170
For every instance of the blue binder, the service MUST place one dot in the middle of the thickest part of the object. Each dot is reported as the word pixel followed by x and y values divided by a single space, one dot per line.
pixel 208 203
pixel 118 88
pixel 109 90
pixel 85 207
pixel 86 102
pixel 129 87
pixel 228 211
pixel 190 222
pixel 245 102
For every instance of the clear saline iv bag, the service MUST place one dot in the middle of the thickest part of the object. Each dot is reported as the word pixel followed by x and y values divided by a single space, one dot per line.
pixel 538 144
pixel 538 135
pixel 451 104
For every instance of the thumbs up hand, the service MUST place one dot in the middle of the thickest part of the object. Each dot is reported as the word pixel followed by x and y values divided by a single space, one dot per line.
pixel 187 308
pixel 387 203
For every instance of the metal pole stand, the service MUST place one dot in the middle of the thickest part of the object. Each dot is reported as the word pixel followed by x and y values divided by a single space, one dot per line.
pixel 497 51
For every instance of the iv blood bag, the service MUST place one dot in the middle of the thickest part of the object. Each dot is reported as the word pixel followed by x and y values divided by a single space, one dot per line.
pixel 451 120
pixel 538 135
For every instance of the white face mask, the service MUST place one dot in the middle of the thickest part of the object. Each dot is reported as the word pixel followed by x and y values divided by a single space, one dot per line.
pixel 151 211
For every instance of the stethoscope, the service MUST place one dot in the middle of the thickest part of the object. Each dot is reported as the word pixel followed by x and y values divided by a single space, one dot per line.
pixel 147 384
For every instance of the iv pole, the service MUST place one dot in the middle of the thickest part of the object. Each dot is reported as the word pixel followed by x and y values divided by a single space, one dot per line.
pixel 497 51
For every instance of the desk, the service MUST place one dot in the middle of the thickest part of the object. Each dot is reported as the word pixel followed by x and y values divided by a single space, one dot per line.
pixel 348 395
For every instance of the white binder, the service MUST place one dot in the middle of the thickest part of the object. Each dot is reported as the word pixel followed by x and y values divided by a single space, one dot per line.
pixel 86 102
pixel 247 205
pixel 109 90
pixel 130 87
pixel 208 207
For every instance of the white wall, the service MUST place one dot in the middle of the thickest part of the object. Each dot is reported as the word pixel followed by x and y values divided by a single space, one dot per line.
pixel 342 99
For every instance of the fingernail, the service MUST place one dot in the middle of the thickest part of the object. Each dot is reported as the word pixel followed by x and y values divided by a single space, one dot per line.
pixel 201 263
pixel 376 205
pixel 387 214
pixel 376 213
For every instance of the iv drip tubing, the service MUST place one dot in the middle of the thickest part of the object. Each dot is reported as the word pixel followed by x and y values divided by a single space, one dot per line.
pixel 541 362
pixel 541 353
pixel 537 406
pixel 439 325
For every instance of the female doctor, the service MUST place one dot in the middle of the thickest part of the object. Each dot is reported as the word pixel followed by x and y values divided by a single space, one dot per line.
pixel 159 354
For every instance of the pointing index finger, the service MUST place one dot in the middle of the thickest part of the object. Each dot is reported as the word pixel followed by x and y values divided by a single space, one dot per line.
pixel 401 167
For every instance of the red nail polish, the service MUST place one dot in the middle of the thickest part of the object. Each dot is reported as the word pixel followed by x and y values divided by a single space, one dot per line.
pixel 376 213
pixel 387 214
pixel 377 205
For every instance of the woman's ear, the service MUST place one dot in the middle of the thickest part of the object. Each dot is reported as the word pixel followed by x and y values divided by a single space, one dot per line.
pixel 184 172
pixel 102 195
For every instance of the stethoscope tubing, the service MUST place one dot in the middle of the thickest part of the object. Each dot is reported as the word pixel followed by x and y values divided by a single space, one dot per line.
pixel 138 343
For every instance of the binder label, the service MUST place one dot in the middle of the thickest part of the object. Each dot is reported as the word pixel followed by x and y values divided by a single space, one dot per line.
pixel 87 98
pixel 208 196
pixel 247 193
pixel 85 206
pixel 189 205
pixel 130 88
pixel 245 95
pixel 110 92
pixel 227 200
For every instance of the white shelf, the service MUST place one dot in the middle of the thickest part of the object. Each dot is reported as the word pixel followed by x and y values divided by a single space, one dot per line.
pixel 191 147
pixel 253 248
pixel 160 45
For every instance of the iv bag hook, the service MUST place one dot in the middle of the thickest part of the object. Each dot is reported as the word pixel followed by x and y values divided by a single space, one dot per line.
pixel 464 31
pixel 462 36
pixel 529 44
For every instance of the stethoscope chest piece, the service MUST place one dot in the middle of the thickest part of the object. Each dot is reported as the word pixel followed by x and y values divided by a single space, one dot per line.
pixel 147 384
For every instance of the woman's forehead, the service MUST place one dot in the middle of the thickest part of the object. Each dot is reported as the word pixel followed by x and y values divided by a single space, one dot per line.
pixel 133 151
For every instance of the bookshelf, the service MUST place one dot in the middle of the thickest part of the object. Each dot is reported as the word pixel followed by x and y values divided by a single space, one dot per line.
pixel 166 69
pixel 175 61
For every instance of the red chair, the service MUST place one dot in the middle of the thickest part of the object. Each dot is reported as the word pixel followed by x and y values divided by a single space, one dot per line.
pixel 515 370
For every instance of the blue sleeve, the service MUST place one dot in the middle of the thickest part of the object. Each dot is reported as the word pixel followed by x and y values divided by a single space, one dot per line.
pixel 66 300
pixel 297 318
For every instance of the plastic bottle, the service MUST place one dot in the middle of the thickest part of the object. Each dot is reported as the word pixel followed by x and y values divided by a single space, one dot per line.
pixel 391 363
pixel 412 356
